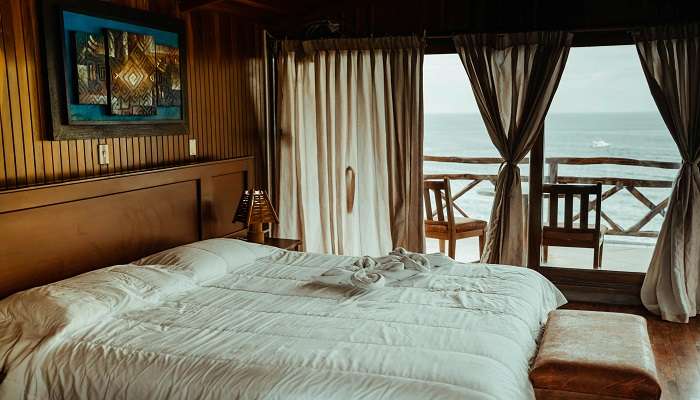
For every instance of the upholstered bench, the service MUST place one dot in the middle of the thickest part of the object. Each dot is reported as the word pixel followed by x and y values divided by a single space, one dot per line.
pixel 595 355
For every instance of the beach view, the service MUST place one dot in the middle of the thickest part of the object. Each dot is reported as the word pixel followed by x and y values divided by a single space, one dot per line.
pixel 589 117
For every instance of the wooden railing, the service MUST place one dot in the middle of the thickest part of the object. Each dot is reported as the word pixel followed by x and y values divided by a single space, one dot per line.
pixel 614 185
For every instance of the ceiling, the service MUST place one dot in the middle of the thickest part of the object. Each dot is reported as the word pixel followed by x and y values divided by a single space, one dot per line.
pixel 291 18
pixel 267 9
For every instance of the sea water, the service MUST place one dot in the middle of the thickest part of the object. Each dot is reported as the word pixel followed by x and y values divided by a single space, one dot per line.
pixel 630 135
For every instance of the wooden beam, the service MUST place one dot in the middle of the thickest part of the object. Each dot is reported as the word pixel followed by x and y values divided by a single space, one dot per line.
pixel 615 181
pixel 469 160
pixel 649 216
pixel 614 161
pixel 189 5
pixel 534 217
pixel 261 5
pixel 256 6
pixel 248 14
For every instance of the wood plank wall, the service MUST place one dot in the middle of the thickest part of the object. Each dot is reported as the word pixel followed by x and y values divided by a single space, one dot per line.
pixel 226 101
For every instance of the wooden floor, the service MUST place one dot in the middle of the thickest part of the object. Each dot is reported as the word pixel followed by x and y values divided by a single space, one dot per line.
pixel 676 347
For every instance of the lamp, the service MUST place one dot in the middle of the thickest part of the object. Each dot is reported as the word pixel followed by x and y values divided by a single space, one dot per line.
pixel 255 209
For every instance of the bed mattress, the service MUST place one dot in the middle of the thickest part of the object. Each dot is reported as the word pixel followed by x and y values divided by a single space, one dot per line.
pixel 224 319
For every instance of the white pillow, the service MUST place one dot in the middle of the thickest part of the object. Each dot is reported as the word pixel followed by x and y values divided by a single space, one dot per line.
pixel 31 318
pixel 84 298
pixel 195 263
pixel 208 259
pixel 235 253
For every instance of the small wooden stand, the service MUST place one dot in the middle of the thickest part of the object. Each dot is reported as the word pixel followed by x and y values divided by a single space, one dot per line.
pixel 256 234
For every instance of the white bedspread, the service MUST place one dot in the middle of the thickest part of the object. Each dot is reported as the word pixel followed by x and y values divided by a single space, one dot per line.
pixel 215 320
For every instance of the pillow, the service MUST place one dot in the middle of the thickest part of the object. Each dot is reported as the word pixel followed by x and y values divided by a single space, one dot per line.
pixel 197 264
pixel 33 317
pixel 208 259
pixel 84 298
pixel 235 253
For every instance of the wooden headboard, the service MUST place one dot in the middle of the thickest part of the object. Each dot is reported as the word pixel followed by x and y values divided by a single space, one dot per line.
pixel 52 232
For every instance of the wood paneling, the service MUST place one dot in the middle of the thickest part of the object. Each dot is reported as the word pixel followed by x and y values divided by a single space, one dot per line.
pixel 220 203
pixel 51 232
pixel 599 286
pixel 136 222
pixel 226 101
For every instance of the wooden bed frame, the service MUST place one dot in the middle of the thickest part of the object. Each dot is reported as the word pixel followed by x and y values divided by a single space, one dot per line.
pixel 52 232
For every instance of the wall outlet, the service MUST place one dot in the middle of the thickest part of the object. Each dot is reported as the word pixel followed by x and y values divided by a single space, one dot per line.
pixel 193 147
pixel 103 153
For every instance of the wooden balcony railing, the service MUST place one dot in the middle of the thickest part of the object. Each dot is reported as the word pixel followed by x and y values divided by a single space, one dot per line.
pixel 613 184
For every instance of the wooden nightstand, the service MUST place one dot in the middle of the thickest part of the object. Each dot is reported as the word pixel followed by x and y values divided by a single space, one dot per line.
pixel 285 244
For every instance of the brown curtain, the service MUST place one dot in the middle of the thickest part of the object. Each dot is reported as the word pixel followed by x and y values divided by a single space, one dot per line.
pixel 670 59
pixel 351 138
pixel 514 78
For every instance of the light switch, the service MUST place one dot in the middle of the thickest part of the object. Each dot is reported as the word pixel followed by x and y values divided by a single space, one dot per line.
pixel 103 153
pixel 193 147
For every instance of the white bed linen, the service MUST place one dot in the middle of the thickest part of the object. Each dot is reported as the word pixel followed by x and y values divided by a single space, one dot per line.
pixel 243 321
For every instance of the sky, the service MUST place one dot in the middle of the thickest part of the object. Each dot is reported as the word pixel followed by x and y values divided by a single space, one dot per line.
pixel 596 79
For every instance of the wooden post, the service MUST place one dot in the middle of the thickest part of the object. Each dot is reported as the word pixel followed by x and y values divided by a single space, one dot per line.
pixel 553 171
pixel 534 236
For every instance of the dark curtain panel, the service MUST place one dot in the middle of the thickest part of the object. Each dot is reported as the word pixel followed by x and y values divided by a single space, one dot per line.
pixel 670 59
pixel 514 78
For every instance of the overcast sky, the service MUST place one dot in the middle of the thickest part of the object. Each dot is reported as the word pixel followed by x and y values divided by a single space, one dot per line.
pixel 596 79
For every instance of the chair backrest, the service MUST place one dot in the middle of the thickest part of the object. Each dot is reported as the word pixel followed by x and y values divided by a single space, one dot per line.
pixel 443 200
pixel 584 192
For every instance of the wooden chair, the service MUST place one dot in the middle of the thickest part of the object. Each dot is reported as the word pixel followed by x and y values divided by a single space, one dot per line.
pixel 570 234
pixel 446 226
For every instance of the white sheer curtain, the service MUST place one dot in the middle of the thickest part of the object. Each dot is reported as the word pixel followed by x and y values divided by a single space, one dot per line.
pixel 670 58
pixel 346 109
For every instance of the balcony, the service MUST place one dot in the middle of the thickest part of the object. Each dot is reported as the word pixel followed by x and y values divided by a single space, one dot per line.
pixel 632 207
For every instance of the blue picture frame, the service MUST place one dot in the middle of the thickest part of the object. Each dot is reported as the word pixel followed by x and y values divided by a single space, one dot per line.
pixel 69 118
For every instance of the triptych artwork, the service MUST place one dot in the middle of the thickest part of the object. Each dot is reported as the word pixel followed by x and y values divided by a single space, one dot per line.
pixel 127 72
pixel 113 71
pixel 91 70
pixel 168 76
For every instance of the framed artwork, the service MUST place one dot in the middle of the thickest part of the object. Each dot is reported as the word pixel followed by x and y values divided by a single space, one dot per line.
pixel 113 71
pixel 132 71
pixel 90 68
pixel 168 84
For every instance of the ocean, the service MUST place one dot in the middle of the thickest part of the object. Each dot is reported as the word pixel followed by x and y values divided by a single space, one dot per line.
pixel 630 135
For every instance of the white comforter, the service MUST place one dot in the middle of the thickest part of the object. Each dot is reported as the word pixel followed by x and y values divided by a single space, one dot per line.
pixel 223 319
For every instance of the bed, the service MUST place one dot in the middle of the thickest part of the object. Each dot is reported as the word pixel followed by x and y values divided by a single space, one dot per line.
pixel 223 319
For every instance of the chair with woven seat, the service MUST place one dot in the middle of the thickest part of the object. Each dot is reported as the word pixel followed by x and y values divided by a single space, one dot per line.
pixel 442 224
pixel 568 233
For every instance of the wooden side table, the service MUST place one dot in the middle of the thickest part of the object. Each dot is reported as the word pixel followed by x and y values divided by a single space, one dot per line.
pixel 285 244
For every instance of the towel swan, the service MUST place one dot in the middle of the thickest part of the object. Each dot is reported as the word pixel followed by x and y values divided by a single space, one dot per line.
pixel 372 273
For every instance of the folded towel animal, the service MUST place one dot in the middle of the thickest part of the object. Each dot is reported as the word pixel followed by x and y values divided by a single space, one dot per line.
pixel 364 262
pixel 416 260
pixel 371 273
pixel 360 278
pixel 364 279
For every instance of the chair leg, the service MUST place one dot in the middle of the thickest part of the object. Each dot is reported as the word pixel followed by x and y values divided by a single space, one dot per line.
pixel 442 246
pixel 545 253
pixel 453 248
pixel 600 256
pixel 482 242
pixel 596 257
